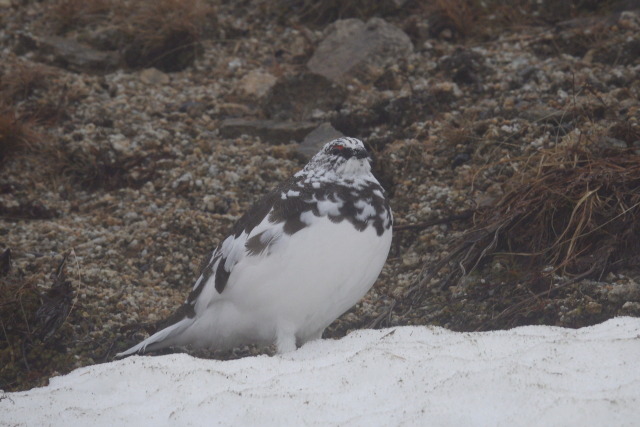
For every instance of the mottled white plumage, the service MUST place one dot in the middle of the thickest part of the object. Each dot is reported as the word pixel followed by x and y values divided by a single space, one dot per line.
pixel 302 256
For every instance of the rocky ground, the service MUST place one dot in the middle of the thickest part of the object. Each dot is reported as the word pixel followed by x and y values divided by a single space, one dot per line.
pixel 133 135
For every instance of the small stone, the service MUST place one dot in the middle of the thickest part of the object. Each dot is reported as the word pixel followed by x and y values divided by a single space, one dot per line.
pixel 209 203
pixel 631 308
pixel 629 291
pixel 593 308
pixel 257 83
pixel 68 53
pixel 108 38
pixel 235 63
pixel 268 130
pixel 629 20
pixel 299 97
pixel 183 182
pixel 130 217
pixel 410 259
pixel 154 76
pixel 121 144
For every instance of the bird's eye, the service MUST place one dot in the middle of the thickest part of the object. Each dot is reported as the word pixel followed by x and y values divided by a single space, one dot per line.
pixel 337 149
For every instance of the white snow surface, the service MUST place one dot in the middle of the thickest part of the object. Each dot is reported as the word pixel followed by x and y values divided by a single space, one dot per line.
pixel 531 375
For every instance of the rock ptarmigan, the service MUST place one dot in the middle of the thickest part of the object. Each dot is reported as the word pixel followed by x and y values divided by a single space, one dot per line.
pixel 300 257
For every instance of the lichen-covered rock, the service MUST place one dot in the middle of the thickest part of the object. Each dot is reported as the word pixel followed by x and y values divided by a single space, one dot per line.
pixel 300 96
pixel 353 48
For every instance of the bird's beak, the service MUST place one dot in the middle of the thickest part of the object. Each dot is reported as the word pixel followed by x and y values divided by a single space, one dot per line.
pixel 362 154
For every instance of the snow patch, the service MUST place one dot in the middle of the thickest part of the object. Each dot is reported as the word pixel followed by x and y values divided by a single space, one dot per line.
pixel 401 376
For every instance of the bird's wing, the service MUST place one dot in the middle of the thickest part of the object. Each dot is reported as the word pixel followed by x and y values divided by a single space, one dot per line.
pixel 284 211
pixel 256 234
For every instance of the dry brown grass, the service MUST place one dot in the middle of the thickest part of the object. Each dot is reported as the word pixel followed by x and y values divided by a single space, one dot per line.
pixel 626 132
pixel 570 212
pixel 65 15
pixel 458 17
pixel 166 33
pixel 28 321
pixel 15 134
pixel 22 107
pixel 323 12
pixel 465 18
pixel 97 167
pixel 35 93
pixel 22 79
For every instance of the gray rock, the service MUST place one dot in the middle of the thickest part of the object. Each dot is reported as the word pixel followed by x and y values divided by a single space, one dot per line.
pixel 68 53
pixel 104 38
pixel 352 46
pixel 271 131
pixel 316 139
pixel 296 97
pixel 624 292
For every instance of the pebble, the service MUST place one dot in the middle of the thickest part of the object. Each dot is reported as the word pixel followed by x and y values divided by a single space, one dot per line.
pixel 154 76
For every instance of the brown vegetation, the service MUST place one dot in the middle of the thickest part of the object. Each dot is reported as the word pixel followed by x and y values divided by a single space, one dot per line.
pixel 66 15
pixel 15 134
pixel 28 320
pixel 571 212
pixel 165 34
pixel 464 18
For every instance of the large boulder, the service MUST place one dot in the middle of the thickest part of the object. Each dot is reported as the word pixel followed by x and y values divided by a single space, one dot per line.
pixel 353 48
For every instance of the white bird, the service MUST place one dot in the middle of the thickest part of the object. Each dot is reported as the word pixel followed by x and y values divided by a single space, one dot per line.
pixel 299 258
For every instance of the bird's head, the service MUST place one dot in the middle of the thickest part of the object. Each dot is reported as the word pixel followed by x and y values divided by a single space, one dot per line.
pixel 345 157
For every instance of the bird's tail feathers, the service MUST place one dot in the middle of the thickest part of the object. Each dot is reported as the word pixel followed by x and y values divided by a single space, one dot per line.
pixel 166 337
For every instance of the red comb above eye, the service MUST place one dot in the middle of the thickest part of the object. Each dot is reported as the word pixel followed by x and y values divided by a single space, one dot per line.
pixel 338 147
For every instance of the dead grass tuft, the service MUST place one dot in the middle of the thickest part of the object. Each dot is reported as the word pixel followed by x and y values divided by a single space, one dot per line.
pixel 627 132
pixel 28 321
pixel 570 213
pixel 452 18
pixel 34 92
pixel 99 166
pixel 57 304
pixel 464 18
pixel 15 134
pixel 323 12
pixel 165 34
pixel 22 79
pixel 66 15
